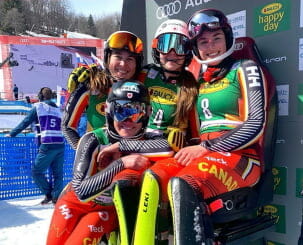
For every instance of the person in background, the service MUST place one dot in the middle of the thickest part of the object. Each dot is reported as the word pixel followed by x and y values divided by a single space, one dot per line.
pixel 85 210
pixel 47 117
pixel 88 86
pixel 54 96
pixel 15 91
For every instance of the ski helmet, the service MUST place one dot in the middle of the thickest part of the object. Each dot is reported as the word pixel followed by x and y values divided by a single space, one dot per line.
pixel 124 40
pixel 210 20
pixel 127 100
pixel 172 34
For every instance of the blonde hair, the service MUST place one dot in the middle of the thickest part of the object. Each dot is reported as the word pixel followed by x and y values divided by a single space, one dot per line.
pixel 186 99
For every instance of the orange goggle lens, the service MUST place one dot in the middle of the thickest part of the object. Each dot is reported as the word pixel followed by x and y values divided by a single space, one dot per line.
pixel 126 41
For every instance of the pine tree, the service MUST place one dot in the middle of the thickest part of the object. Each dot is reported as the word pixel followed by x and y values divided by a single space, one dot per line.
pixel 92 30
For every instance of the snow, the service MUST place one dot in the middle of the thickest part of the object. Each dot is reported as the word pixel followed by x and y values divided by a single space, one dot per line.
pixel 24 221
pixel 9 121
pixel 69 34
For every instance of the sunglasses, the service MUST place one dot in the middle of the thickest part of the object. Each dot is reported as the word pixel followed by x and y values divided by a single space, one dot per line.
pixel 168 41
pixel 127 41
pixel 211 19
pixel 128 110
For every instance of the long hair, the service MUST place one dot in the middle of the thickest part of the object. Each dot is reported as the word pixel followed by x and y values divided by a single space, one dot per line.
pixel 186 98
pixel 100 81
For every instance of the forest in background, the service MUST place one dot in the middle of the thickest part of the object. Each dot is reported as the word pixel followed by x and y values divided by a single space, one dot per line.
pixel 53 18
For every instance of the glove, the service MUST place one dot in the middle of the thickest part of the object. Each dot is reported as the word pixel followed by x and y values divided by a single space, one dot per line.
pixel 73 79
pixel 79 75
pixel 175 138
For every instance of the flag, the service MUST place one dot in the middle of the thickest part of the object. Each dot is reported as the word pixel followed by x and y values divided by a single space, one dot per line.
pixel 62 96
pixel 97 61
pixel 83 61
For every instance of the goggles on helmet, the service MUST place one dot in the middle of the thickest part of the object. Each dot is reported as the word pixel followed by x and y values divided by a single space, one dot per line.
pixel 165 42
pixel 211 19
pixel 133 111
pixel 127 41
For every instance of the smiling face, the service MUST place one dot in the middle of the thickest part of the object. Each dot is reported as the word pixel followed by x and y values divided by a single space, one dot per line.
pixel 127 128
pixel 211 45
pixel 122 64
pixel 171 61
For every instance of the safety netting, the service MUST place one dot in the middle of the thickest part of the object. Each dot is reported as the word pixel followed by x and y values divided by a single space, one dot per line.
pixel 17 156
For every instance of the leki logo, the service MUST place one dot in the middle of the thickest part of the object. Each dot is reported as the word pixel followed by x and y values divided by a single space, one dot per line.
pixel 271 8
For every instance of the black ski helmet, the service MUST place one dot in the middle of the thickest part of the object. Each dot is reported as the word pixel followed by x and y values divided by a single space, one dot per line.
pixel 128 98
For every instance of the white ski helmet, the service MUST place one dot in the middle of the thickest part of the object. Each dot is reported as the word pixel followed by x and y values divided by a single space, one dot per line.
pixel 172 34
pixel 172 26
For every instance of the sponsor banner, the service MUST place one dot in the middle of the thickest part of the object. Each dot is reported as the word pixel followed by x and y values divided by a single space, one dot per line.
pixel 176 7
pixel 283 99
pixel 35 62
pixel 238 23
pixel 277 211
pixel 51 41
pixel 280 180
pixel 276 59
pixel 271 18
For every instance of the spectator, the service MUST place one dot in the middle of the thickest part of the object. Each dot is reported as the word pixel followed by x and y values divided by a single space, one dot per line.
pixel 47 117
pixel 16 90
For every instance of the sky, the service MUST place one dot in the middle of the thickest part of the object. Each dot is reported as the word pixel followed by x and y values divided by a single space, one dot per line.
pixel 97 8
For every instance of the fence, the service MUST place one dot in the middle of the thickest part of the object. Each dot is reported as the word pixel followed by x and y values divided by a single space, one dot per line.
pixel 17 156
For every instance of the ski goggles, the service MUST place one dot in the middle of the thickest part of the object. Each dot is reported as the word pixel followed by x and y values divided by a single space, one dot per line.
pixel 133 111
pixel 210 19
pixel 127 41
pixel 168 41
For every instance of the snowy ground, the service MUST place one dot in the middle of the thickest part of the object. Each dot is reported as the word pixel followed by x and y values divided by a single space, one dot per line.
pixel 24 221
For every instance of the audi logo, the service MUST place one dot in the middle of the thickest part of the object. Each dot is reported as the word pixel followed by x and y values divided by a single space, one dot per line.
pixel 169 9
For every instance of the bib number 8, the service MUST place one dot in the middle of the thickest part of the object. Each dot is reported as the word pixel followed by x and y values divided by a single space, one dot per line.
pixel 205 108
